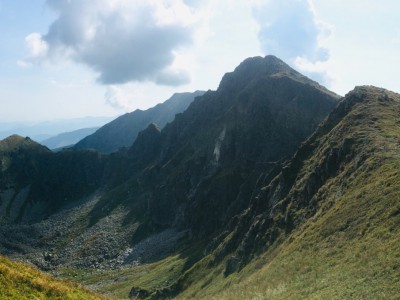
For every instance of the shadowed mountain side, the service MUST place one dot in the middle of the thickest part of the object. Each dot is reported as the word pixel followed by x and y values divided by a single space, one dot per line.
pixel 123 131
pixel 214 154
pixel 34 182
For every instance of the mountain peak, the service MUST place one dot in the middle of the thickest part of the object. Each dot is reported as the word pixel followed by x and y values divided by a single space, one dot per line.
pixel 146 144
pixel 367 94
pixel 268 65
pixel 255 67
pixel 368 90
pixel 153 127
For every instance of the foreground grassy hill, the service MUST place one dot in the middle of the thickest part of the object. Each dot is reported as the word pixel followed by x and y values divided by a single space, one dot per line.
pixel 18 281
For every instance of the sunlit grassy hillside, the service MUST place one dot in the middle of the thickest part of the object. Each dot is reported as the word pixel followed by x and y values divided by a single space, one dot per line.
pixel 19 282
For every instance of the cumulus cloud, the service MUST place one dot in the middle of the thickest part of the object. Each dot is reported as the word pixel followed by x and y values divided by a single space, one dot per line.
pixel 38 49
pixel 120 40
pixel 291 30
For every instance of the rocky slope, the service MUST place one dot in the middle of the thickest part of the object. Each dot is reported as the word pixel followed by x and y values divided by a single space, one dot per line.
pixel 122 131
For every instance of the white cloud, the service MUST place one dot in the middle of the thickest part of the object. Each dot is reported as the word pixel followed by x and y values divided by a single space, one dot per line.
pixel 120 40
pixel 38 49
pixel 37 46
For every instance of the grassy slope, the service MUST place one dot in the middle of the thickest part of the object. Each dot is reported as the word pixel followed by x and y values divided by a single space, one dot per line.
pixel 18 281
pixel 118 283
pixel 150 276
pixel 350 249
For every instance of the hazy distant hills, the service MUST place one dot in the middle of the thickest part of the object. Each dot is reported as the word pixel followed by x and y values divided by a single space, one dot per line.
pixel 271 185
pixel 44 130
pixel 122 131
pixel 67 138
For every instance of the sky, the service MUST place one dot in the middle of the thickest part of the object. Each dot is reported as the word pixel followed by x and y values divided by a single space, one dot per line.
pixel 63 59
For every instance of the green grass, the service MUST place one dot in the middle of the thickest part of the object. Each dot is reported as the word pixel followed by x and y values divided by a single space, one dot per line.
pixel 20 282
pixel 118 283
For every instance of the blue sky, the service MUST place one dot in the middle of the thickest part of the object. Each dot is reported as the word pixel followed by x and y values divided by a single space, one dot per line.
pixel 72 58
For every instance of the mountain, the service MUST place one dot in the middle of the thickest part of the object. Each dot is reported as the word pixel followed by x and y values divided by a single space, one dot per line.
pixel 174 198
pixel 40 131
pixel 18 281
pixel 214 153
pixel 67 139
pixel 327 225
pixel 35 182
pixel 122 131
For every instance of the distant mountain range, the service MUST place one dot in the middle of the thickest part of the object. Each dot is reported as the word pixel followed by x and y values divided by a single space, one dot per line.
pixel 269 187
pixel 67 139
pixel 40 131
pixel 122 131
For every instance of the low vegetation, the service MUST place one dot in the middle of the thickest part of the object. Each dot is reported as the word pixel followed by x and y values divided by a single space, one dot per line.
pixel 20 282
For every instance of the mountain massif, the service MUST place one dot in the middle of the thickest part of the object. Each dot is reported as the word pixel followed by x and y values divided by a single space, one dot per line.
pixel 270 187
pixel 122 131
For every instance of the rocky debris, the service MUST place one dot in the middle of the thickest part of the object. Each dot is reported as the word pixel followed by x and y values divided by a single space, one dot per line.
pixel 138 293
pixel 154 247
pixel 66 241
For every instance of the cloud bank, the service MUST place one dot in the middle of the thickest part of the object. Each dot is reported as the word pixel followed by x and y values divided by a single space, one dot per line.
pixel 121 40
